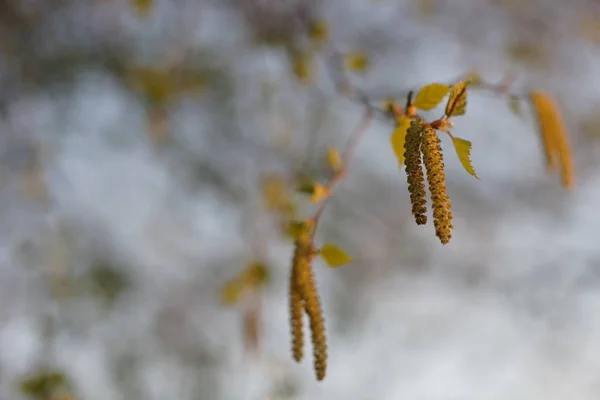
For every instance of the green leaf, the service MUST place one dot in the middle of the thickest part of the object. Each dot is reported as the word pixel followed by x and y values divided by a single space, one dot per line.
pixel 457 101
pixel 334 256
pixel 430 96
pixel 398 137
pixel 463 151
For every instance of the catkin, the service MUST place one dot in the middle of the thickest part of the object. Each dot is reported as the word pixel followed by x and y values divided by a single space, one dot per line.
pixel 436 178
pixel 414 171
pixel 557 148
pixel 304 283
pixel 296 320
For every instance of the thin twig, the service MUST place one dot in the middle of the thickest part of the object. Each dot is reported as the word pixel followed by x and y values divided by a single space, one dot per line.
pixel 347 158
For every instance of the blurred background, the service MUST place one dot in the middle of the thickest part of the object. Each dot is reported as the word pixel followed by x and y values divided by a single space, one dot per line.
pixel 135 138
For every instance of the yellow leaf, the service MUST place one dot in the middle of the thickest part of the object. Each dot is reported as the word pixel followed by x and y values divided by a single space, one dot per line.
pixel 457 101
pixel 44 383
pixel 156 85
pixel 302 66
pixel 398 137
pixel 275 193
pixel 356 61
pixel 232 291
pixel 256 274
pixel 463 151
pixel 430 96
pixel 514 103
pixel 320 192
pixel 334 256
pixel 319 33
pixel 306 187
pixel 317 191
pixel 142 7
pixel 334 159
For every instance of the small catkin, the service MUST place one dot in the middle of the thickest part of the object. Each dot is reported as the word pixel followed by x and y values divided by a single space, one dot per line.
pixel 306 287
pixel 436 178
pixel 414 171
pixel 557 147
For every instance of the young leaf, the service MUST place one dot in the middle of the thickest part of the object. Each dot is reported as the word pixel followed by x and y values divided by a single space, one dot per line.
pixel 514 103
pixel 256 274
pixel 334 159
pixel 319 193
pixel 232 291
pixel 142 7
pixel 334 256
pixel 303 67
pixel 457 101
pixel 356 61
pixel 319 33
pixel 274 192
pixel 398 137
pixel 463 151
pixel 430 96
pixel 44 384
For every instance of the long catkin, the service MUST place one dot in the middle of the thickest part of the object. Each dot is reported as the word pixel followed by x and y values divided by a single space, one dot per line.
pixel 304 283
pixel 414 171
pixel 555 141
pixel 436 178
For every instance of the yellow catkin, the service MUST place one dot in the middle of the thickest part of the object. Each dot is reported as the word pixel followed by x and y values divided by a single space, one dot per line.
pixel 557 147
pixel 414 171
pixel 305 283
pixel 436 178
pixel 296 319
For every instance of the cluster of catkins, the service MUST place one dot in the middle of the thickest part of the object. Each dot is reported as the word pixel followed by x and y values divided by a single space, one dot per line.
pixel 304 298
pixel 422 148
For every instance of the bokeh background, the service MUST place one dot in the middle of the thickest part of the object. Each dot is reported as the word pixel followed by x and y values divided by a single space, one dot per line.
pixel 134 135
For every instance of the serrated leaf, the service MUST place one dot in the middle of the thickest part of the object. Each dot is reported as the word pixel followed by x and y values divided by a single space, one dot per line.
pixel 463 151
pixel 514 103
pixel 334 256
pixel 398 137
pixel 334 159
pixel 356 61
pixel 457 101
pixel 430 96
